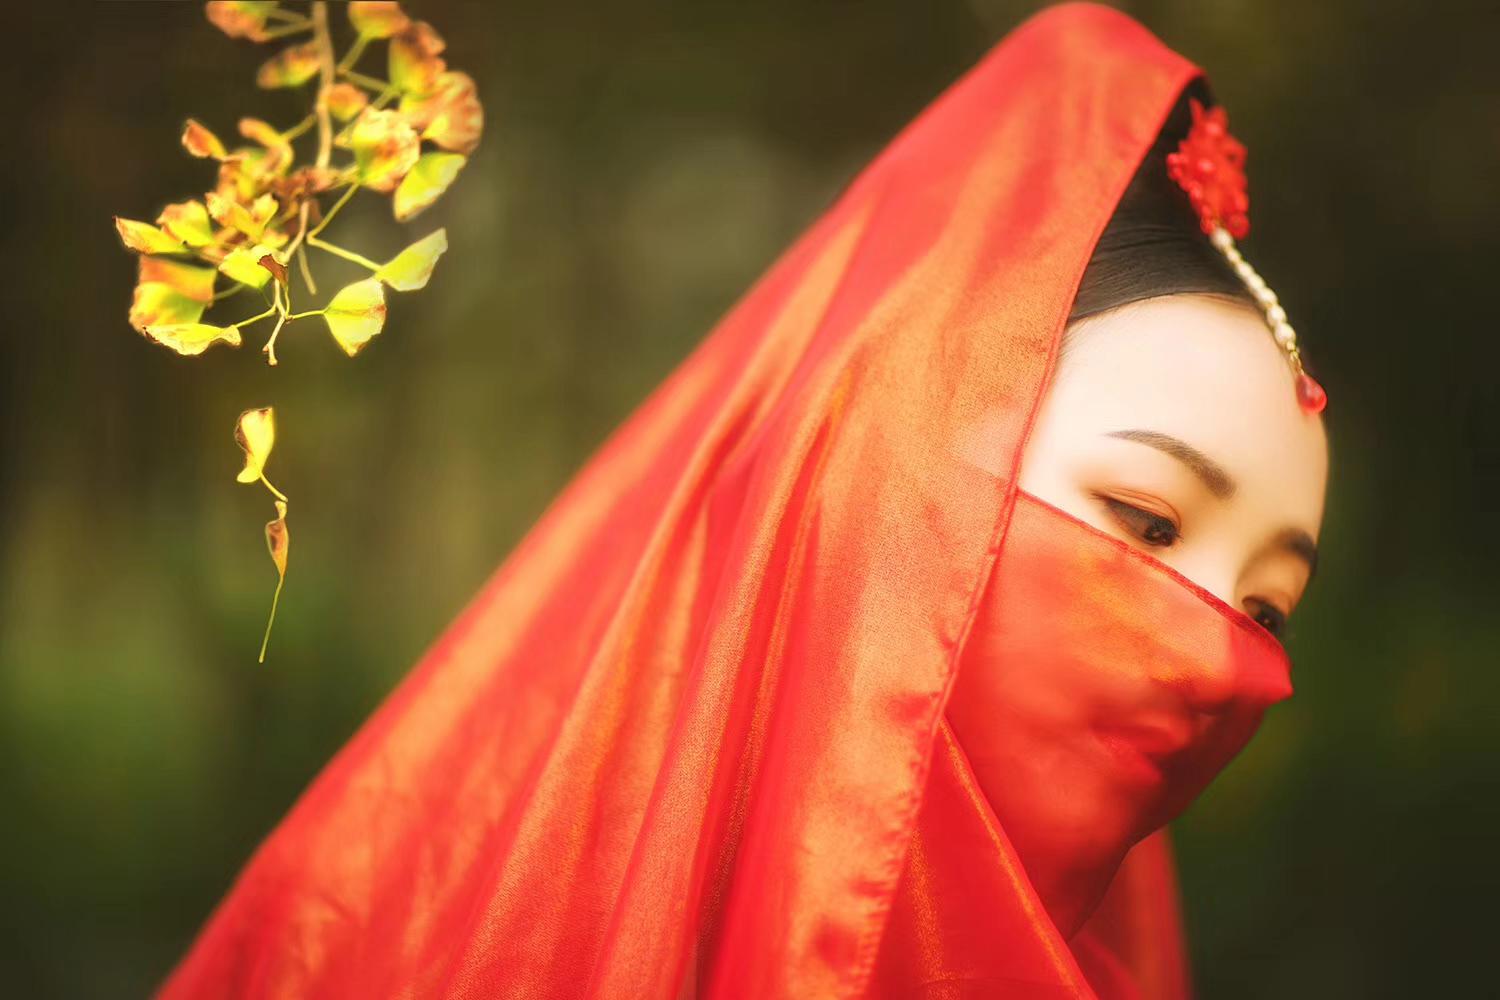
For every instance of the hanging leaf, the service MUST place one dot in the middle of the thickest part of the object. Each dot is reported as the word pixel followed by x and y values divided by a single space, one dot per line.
pixel 345 100
pixel 255 433
pixel 278 542
pixel 200 142
pixel 451 116
pixel 291 67
pixel 192 338
pixel 425 183
pixel 142 237
pixel 414 63
pixel 410 269
pixel 274 266
pixel 377 20
pixel 240 18
pixel 169 293
pixel 385 148
pixel 188 222
pixel 356 314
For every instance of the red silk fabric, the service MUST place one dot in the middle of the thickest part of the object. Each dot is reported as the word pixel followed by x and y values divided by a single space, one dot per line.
pixel 690 739
pixel 1080 620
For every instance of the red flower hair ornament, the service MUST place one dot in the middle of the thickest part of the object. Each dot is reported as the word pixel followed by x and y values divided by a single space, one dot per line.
pixel 1210 166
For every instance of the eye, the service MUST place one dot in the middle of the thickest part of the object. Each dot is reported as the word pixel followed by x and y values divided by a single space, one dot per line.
pixel 1268 616
pixel 1153 529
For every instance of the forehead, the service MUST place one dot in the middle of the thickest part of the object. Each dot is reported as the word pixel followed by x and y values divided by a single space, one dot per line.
pixel 1208 372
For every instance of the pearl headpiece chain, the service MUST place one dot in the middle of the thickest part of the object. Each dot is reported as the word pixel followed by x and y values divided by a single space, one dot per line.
pixel 1210 166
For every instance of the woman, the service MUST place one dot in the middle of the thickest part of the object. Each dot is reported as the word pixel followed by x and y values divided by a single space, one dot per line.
pixel 807 685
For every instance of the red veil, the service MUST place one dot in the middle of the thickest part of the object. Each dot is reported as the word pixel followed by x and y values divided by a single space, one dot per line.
pixel 690 739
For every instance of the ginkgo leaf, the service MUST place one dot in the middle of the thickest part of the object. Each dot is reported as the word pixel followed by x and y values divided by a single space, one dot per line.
pixel 243 264
pixel 255 433
pixel 414 64
pixel 276 267
pixel 200 142
pixel 276 537
pixel 192 338
pixel 410 269
pixel 250 220
pixel 376 19
pixel 356 314
pixel 385 148
pixel 425 183
pixel 451 116
pixel 188 222
pixel 240 18
pixel 262 132
pixel 291 67
pixel 170 293
pixel 345 100
pixel 278 541
pixel 142 237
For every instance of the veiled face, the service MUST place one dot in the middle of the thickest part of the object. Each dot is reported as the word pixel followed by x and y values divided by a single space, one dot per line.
pixel 1173 426
pixel 1241 517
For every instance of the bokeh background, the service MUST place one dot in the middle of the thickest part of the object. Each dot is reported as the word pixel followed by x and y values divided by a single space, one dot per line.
pixel 643 163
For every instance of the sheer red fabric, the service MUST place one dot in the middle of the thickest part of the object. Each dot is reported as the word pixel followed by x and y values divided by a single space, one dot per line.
pixel 690 740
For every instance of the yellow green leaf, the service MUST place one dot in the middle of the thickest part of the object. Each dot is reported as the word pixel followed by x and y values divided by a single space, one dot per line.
pixel 278 542
pixel 192 338
pixel 345 100
pixel 425 183
pixel 451 116
pixel 385 148
pixel 188 222
pixel 250 220
pixel 291 67
pixel 169 293
pixel 255 433
pixel 410 269
pixel 243 264
pixel 414 63
pixel 377 20
pixel 200 142
pixel 240 18
pixel 356 314
pixel 142 237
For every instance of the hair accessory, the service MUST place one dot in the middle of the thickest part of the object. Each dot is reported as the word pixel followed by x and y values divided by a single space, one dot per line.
pixel 1210 166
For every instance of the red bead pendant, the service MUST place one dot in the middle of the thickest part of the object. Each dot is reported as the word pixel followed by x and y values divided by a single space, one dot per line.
pixel 1310 395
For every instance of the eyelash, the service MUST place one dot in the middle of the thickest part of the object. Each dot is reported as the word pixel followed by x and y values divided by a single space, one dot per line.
pixel 1131 516
pixel 1127 515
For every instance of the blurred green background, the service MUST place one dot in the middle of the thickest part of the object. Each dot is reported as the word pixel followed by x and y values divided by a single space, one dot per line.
pixel 643 163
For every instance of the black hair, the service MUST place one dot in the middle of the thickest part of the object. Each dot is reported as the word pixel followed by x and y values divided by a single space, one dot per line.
pixel 1153 244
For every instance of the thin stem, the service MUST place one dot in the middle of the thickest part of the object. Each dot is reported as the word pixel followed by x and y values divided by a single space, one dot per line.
pixel 254 319
pixel 385 97
pixel 298 129
pixel 277 493
pixel 275 598
pixel 284 15
pixel 368 82
pixel 270 346
pixel 312 286
pixel 343 200
pixel 325 80
pixel 310 312
pixel 352 56
pixel 271 34
pixel 341 252
pixel 219 296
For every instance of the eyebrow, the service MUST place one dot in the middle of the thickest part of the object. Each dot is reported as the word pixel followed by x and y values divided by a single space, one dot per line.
pixel 1222 485
pixel 1219 482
